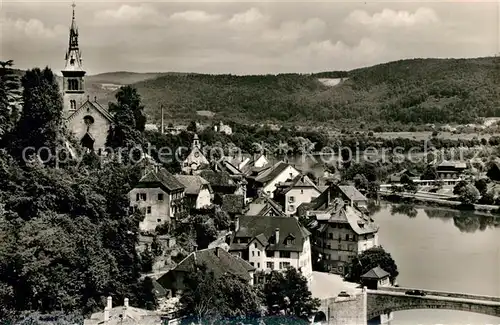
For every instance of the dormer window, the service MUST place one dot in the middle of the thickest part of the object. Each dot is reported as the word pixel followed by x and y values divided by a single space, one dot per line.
pixel 72 61
pixel 290 241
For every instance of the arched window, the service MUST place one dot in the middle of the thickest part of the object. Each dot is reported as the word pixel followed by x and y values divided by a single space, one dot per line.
pixel 72 84
pixel 72 104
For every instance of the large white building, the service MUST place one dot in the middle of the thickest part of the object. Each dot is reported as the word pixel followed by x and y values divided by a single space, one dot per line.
pixel 341 229
pixel 273 244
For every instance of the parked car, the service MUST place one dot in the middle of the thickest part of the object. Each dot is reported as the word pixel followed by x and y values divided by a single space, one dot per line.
pixel 344 294
pixel 415 293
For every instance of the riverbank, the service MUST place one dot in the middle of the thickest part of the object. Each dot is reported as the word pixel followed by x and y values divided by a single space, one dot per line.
pixel 428 199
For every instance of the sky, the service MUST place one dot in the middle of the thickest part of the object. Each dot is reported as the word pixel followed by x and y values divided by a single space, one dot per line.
pixel 246 37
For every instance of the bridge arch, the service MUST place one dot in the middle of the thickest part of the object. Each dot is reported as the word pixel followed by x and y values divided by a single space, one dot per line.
pixel 319 317
pixel 380 304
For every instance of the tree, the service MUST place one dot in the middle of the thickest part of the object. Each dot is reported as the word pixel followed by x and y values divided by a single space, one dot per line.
pixel 288 291
pixel 469 194
pixel 10 95
pixel 481 185
pixel 408 184
pixel 192 127
pixel 487 198
pixel 369 259
pixel 41 122
pixel 458 188
pixel 360 182
pixel 430 173
pixel 128 97
pixel 211 298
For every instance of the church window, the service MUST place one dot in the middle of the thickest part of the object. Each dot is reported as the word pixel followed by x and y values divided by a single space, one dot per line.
pixel 72 104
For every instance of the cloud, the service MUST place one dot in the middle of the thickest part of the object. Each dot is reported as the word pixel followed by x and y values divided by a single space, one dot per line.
pixel 391 18
pixel 294 30
pixel 127 14
pixel 251 16
pixel 32 28
pixel 195 16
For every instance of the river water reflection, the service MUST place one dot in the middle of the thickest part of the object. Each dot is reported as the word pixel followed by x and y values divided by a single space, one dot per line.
pixel 443 250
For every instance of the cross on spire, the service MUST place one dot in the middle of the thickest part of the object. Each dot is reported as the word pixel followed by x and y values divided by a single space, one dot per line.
pixel 73 5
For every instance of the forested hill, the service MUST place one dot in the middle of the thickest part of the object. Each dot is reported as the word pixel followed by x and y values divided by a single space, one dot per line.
pixel 407 91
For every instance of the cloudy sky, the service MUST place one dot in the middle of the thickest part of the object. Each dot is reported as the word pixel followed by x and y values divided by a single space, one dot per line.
pixel 246 37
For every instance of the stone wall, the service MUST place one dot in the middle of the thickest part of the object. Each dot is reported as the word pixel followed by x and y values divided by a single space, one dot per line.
pixel 345 311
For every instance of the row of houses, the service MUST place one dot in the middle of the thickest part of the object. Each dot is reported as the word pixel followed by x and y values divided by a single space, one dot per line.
pixel 265 201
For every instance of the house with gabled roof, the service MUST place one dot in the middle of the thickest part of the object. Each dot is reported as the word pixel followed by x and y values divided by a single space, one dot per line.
pixel 272 244
pixel 198 192
pixel 264 207
pixel 265 180
pixel 290 195
pixel 160 195
pixel 216 260
pixel 376 277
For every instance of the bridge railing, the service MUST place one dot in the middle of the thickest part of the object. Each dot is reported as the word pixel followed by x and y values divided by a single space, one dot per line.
pixel 443 293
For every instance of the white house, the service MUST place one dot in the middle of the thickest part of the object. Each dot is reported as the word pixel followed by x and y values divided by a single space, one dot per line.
pixel 160 195
pixel 272 243
pixel 290 195
pixel 198 191
pixel 195 159
pixel 223 128
pixel 279 173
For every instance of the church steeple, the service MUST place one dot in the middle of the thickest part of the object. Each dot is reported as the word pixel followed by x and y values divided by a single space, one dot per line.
pixel 73 72
pixel 73 55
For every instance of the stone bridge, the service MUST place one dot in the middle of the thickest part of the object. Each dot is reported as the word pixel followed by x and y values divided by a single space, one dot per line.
pixel 370 304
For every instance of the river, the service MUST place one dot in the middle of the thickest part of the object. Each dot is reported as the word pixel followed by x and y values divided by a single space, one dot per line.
pixel 443 250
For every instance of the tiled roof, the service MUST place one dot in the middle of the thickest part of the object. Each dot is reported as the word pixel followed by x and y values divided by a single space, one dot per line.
pixel 273 172
pixel 352 193
pixel 264 229
pixel 224 263
pixel 261 205
pixel 220 179
pixel 233 203
pixel 192 183
pixel 375 273
pixel 161 177
pixel 301 181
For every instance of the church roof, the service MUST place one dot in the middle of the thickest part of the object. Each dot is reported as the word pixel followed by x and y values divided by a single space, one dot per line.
pixel 98 107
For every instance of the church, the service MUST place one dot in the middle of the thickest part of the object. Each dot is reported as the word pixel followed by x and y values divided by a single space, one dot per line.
pixel 85 118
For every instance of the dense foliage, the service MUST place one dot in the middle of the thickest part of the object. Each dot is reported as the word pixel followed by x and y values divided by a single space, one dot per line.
pixel 67 237
pixel 288 292
pixel 415 91
pixel 369 259
pixel 214 300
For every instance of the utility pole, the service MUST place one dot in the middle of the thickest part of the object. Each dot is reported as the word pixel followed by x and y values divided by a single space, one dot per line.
pixel 162 122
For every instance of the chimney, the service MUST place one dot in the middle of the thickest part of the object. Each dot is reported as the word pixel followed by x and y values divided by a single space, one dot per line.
pixel 107 309
pixel 162 120
pixel 125 307
pixel 277 235
pixel 236 224
pixel 95 99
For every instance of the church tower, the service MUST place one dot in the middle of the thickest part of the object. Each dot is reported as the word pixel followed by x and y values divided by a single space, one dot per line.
pixel 73 73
